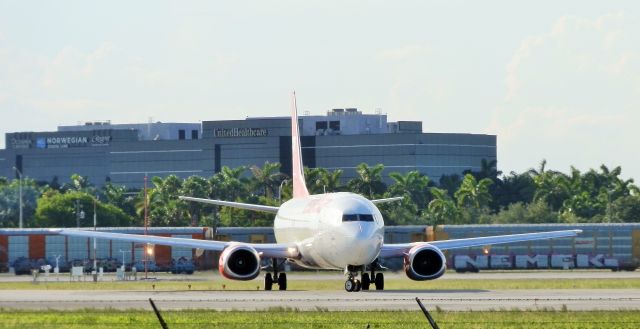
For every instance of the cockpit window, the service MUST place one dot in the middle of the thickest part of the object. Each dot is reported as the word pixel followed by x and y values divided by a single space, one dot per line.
pixel 366 218
pixel 357 217
pixel 349 218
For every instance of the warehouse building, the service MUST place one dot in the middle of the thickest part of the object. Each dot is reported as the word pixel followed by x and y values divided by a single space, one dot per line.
pixel 341 139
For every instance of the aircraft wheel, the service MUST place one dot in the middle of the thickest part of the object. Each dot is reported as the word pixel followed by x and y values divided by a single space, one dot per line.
pixel 358 285
pixel 366 281
pixel 268 281
pixel 349 285
pixel 379 281
pixel 282 281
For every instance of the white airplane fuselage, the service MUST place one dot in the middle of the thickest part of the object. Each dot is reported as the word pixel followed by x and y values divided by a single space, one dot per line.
pixel 331 230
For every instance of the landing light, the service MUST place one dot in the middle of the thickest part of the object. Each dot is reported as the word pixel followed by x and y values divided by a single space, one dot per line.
pixel 149 250
pixel 485 250
pixel 291 250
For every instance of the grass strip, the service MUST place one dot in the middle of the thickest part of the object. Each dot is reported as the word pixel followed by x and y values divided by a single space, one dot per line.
pixel 291 318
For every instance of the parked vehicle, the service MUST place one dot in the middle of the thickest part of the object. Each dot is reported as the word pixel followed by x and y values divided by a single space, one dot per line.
pixel 182 266
pixel 22 265
pixel 151 266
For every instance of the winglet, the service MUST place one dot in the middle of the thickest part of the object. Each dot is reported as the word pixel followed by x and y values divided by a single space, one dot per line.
pixel 299 186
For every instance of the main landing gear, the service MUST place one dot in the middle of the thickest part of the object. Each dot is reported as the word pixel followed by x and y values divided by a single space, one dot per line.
pixel 278 278
pixel 366 279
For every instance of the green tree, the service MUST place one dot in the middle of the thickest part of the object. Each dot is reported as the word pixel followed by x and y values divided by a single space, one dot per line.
pixel 473 193
pixel 451 183
pixel 164 207
pixel 552 187
pixel 522 213
pixel 442 209
pixel 514 188
pixel 403 212
pixel 10 202
pixel 412 185
pixel 198 187
pixel 267 179
pixel 321 180
pixel 234 217
pixel 312 179
pixel 118 196
pixel 368 182
pixel 57 209
pixel 625 209
pixel 330 180
pixel 229 184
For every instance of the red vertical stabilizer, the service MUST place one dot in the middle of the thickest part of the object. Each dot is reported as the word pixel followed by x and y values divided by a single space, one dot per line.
pixel 299 186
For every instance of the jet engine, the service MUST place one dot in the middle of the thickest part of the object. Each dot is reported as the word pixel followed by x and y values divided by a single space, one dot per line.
pixel 424 262
pixel 239 262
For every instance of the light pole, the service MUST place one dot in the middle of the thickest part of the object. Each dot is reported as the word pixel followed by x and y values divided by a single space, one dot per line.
pixel 280 191
pixel 123 253
pixel 20 183
pixel 95 228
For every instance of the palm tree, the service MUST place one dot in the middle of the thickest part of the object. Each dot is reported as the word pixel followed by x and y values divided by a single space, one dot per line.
pixel 473 193
pixel 369 181
pixel 198 187
pixel 329 180
pixel 552 187
pixel 312 179
pixel 167 188
pixel 267 179
pixel 541 169
pixel 514 188
pixel 488 169
pixel 413 185
pixel 442 209
pixel 229 184
pixel 451 183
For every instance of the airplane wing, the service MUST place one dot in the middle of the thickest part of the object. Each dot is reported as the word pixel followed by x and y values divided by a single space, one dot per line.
pixel 266 250
pixel 248 206
pixel 379 201
pixel 398 250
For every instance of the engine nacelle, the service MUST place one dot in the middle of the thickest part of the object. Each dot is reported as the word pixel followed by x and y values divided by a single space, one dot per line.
pixel 424 262
pixel 239 262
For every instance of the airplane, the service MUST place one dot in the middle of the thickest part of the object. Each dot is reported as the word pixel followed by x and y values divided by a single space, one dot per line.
pixel 341 230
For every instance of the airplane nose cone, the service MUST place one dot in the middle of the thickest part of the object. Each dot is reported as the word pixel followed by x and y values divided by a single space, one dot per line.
pixel 363 243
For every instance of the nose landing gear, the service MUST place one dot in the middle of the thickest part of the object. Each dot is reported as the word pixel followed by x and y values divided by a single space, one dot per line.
pixel 352 284
pixel 366 279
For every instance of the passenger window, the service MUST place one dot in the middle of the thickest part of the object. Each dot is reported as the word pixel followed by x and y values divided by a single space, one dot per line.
pixel 366 218
pixel 349 218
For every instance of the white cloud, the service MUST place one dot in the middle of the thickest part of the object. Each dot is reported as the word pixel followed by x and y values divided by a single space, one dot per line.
pixel 574 88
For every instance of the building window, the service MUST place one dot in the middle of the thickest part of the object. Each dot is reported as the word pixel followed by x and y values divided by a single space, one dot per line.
pixel 194 134
pixel 321 125
pixel 181 134
pixel 334 125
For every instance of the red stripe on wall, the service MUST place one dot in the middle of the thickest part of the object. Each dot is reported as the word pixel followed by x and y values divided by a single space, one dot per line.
pixel 4 248
pixel 36 246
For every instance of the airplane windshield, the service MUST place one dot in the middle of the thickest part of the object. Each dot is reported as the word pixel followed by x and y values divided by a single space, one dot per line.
pixel 357 218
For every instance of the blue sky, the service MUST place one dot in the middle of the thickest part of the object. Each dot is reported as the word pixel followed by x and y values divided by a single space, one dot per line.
pixel 555 80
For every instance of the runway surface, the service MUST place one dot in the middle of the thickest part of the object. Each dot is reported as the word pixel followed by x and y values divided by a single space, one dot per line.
pixel 459 300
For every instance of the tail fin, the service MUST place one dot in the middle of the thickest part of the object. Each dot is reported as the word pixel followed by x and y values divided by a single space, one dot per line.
pixel 299 186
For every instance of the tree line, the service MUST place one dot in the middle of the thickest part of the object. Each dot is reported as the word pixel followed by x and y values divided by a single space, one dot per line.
pixel 484 196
